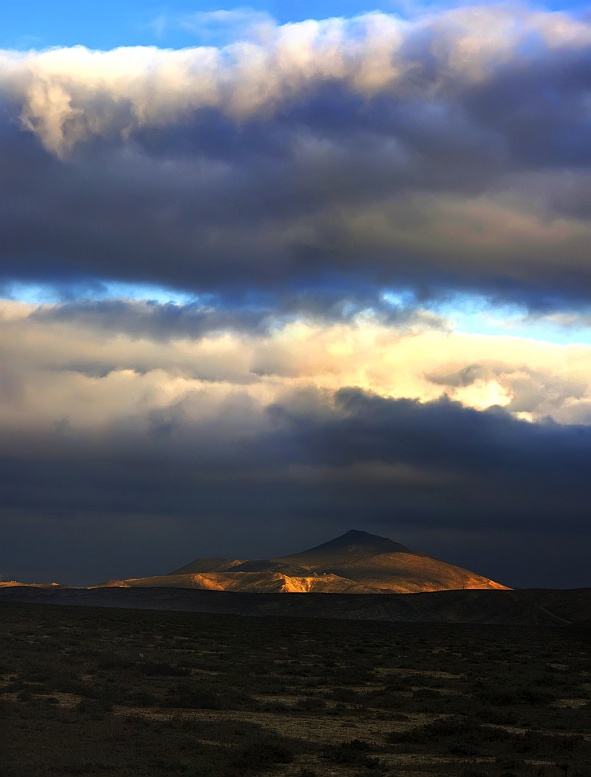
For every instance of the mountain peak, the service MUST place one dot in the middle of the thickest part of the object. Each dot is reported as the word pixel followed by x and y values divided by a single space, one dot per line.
pixel 358 538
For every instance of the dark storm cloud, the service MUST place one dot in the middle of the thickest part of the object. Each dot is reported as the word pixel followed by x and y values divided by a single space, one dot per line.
pixel 449 152
pixel 484 450
pixel 157 321
pixel 248 316
pixel 395 466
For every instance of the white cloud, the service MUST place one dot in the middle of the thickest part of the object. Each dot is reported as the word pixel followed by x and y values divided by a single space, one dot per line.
pixel 71 95
pixel 237 23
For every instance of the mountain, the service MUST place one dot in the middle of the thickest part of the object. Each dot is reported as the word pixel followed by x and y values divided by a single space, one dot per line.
pixel 355 563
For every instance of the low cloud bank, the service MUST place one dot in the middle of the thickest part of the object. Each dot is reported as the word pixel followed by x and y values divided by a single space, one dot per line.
pixel 322 465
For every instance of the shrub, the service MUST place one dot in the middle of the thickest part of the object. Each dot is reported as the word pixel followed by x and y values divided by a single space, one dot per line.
pixel 351 753
pixel 309 704
pixel 260 753
pixel 195 699
pixel 162 669
pixel 95 709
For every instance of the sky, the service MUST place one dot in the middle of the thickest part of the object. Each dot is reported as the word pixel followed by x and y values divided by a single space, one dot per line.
pixel 271 272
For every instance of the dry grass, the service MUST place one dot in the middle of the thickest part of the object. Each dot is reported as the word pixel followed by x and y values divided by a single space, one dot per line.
pixel 138 693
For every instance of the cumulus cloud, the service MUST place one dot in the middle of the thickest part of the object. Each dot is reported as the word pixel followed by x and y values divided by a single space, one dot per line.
pixel 449 151
pixel 100 363
pixel 69 95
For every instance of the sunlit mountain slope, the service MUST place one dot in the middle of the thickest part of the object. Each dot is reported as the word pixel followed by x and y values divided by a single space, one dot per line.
pixel 356 562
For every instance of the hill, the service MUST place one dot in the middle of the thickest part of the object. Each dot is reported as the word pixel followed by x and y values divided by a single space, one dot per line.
pixel 355 563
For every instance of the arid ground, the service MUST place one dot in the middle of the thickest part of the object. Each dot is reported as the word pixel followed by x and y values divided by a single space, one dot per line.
pixel 94 691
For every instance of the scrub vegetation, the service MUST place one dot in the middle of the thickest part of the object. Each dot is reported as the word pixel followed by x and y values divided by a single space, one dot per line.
pixel 89 691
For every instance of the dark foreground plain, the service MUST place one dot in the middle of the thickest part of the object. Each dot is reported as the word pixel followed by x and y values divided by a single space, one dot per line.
pixel 554 607
pixel 98 691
